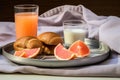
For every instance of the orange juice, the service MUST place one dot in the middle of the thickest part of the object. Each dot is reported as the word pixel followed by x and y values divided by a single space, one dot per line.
pixel 26 24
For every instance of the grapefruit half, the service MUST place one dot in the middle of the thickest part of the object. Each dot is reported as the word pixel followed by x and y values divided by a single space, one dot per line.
pixel 79 48
pixel 61 53
pixel 28 53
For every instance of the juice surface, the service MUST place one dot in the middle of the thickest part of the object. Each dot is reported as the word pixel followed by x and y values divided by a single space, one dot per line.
pixel 26 24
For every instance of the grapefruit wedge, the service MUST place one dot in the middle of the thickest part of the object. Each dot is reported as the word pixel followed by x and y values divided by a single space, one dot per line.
pixel 61 53
pixel 79 48
pixel 28 53
pixel 19 53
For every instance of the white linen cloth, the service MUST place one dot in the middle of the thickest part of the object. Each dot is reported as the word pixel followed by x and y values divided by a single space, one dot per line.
pixel 104 28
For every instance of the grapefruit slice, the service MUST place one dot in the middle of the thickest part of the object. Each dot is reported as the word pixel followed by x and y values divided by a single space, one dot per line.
pixel 62 53
pixel 28 53
pixel 79 48
pixel 19 53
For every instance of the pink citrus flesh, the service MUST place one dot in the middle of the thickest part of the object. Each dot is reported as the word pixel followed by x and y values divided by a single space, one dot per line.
pixel 27 53
pixel 62 53
pixel 79 48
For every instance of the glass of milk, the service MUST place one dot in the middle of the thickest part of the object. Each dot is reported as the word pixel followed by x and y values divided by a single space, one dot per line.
pixel 74 30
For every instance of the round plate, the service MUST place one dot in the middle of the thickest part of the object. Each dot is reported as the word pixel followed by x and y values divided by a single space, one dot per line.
pixel 96 55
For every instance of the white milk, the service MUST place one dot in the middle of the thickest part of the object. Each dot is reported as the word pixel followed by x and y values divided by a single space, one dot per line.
pixel 71 35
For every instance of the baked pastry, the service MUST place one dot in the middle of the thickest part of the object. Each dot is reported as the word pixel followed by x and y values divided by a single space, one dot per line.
pixel 48 49
pixel 50 38
pixel 27 42
pixel 46 41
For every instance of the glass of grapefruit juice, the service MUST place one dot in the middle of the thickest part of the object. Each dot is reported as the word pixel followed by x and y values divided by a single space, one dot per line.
pixel 26 20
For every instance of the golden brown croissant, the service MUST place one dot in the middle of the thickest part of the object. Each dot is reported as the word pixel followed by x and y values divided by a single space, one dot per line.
pixel 28 42
pixel 45 41
pixel 50 38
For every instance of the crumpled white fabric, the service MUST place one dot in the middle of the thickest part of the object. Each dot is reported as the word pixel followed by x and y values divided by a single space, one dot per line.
pixel 7 33
pixel 104 28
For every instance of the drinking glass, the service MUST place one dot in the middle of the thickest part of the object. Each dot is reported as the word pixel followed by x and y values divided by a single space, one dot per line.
pixel 26 20
pixel 74 30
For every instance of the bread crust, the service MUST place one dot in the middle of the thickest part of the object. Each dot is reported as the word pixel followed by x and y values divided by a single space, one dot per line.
pixel 50 38
pixel 45 41
pixel 27 42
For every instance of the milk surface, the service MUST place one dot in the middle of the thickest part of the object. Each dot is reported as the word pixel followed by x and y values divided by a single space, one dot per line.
pixel 72 35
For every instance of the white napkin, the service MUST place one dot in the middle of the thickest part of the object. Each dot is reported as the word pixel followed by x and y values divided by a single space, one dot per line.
pixel 106 29
pixel 7 33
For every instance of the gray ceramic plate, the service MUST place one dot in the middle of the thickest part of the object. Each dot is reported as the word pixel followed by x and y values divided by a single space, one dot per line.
pixel 98 53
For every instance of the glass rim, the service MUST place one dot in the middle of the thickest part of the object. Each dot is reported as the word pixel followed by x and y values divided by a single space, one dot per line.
pixel 67 22
pixel 26 6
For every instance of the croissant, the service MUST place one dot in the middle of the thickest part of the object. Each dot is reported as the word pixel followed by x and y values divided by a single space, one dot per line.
pixel 27 42
pixel 50 38
pixel 45 41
